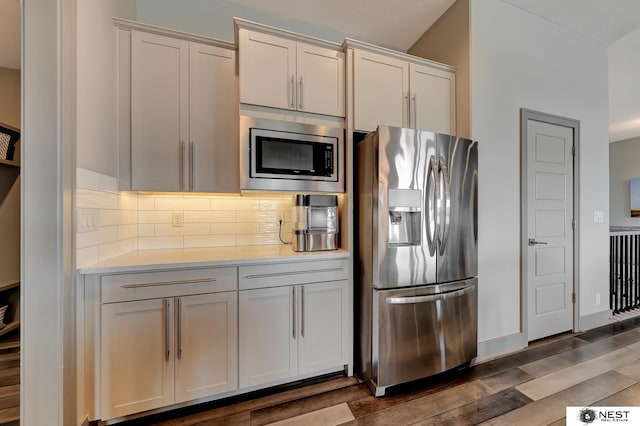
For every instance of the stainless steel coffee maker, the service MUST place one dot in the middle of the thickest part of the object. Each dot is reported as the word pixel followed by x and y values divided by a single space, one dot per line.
pixel 315 222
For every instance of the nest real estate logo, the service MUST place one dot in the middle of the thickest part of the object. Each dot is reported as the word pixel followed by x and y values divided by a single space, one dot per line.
pixel 602 415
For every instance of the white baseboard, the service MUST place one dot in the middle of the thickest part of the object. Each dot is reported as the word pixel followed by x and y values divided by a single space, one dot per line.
pixel 501 346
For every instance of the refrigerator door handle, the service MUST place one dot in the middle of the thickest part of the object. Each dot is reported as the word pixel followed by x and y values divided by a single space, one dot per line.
pixel 428 298
pixel 445 205
pixel 432 224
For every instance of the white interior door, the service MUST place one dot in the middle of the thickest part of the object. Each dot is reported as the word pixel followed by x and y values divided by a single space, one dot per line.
pixel 549 244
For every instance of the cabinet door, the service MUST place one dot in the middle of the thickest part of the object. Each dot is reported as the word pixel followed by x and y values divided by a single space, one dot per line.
pixel 159 111
pixel 267 70
pixel 206 345
pixel 323 309
pixel 432 99
pixel 320 85
pixel 268 346
pixel 213 119
pixel 381 91
pixel 137 360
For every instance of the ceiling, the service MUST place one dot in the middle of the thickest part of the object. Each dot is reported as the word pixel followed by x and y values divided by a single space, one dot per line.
pixel 604 20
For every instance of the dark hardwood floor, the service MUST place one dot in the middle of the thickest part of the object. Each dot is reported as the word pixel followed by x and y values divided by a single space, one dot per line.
pixel 10 379
pixel 530 387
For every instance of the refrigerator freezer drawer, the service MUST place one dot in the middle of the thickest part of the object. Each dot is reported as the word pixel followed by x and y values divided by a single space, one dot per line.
pixel 422 331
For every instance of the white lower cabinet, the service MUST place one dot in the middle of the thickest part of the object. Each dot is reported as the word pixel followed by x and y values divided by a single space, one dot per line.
pixel 206 349
pixel 165 350
pixel 291 331
pixel 154 339
pixel 136 373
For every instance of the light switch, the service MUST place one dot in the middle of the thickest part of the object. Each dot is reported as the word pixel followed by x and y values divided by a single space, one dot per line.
pixel 598 216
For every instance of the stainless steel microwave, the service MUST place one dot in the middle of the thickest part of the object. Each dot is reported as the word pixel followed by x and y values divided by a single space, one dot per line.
pixel 286 156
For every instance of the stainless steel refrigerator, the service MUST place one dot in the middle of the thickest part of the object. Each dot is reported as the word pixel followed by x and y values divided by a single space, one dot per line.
pixel 416 299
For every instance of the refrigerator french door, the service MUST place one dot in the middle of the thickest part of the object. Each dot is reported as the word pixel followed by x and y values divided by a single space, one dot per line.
pixel 417 255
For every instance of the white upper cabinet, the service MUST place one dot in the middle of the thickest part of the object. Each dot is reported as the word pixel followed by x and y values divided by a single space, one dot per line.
pixel 285 73
pixel 159 111
pixel 179 98
pixel 381 90
pixel 213 120
pixel 396 89
pixel 320 80
pixel 432 94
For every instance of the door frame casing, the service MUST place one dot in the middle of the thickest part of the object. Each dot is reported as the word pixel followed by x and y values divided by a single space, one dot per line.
pixel 525 116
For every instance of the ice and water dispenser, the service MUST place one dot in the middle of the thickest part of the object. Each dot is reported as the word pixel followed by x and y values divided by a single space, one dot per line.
pixel 405 217
pixel 315 222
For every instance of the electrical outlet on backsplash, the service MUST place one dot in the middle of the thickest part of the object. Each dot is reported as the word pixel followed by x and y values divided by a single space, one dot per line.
pixel 126 221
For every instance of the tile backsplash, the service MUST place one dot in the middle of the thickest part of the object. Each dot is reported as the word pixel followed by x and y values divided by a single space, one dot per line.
pixel 111 223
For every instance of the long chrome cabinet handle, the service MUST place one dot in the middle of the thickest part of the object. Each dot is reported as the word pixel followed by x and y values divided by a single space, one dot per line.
pixel 293 89
pixel 429 298
pixel 446 205
pixel 181 166
pixel 179 317
pixel 161 283
pixel 165 312
pixel 407 117
pixel 415 111
pixel 192 153
pixel 300 94
pixel 293 311
pixel 302 311
pixel 283 274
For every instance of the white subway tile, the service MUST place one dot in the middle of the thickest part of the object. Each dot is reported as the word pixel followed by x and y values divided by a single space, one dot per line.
pixel 276 204
pixel 209 216
pixel 234 203
pixel 187 229
pixel 257 239
pixel 87 256
pixel 258 216
pixel 108 217
pixel 182 203
pixel 194 241
pixel 127 217
pixel 152 243
pixel 154 216
pixel 146 230
pixel 117 248
pixel 126 232
pixel 146 202
pixel 271 228
pixel 127 201
pixel 234 228
pixel 102 235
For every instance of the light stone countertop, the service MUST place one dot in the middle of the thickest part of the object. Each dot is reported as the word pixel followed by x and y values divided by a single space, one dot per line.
pixel 150 260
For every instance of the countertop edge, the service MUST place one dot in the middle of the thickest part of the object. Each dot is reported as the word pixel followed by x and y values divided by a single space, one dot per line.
pixel 175 259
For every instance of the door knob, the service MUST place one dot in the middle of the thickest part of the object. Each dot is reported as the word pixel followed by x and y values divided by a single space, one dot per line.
pixel 533 242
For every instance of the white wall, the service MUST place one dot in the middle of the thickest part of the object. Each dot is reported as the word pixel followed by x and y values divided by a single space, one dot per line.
pixel 96 115
pixel 214 18
pixel 624 90
pixel 519 60
pixel 623 166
